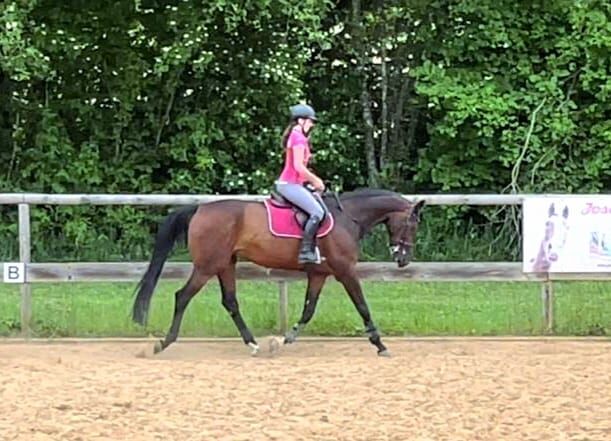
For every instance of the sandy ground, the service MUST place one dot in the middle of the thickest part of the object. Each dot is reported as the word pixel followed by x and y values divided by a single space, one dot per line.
pixel 458 390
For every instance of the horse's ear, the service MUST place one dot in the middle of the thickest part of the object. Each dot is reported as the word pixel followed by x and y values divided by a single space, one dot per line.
pixel 565 212
pixel 552 210
pixel 417 208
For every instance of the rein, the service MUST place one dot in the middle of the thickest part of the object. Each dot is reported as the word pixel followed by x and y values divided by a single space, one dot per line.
pixel 335 197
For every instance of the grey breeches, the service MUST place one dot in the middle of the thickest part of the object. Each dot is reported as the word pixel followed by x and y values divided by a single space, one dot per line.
pixel 298 195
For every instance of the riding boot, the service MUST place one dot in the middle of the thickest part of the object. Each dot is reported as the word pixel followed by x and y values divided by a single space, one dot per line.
pixel 308 253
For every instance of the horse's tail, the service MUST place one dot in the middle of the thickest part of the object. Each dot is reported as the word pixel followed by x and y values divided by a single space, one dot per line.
pixel 174 227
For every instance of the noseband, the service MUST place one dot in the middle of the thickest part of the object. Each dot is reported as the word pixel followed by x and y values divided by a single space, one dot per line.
pixel 402 243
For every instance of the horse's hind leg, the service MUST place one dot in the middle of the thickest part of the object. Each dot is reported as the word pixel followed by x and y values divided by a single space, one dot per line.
pixel 227 280
pixel 182 298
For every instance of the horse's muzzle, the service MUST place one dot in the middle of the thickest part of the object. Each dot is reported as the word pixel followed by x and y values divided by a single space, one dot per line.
pixel 401 263
pixel 401 255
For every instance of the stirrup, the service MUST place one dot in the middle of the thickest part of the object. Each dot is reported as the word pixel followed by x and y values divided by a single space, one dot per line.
pixel 317 259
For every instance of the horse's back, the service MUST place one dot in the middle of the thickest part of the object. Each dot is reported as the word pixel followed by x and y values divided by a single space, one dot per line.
pixel 220 214
pixel 226 219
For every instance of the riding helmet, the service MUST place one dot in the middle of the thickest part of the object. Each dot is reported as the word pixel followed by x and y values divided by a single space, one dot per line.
pixel 303 111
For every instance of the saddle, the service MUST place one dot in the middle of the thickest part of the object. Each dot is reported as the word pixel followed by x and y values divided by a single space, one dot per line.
pixel 288 220
pixel 279 201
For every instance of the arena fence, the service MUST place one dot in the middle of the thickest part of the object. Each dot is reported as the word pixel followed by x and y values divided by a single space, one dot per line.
pixel 27 272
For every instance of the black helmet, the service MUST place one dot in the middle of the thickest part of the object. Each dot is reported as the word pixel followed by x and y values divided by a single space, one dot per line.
pixel 303 111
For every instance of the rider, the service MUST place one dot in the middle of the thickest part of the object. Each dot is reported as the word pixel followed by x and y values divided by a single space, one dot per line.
pixel 295 175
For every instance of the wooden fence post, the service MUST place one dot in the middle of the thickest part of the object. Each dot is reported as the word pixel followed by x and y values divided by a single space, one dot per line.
pixel 283 307
pixel 24 257
pixel 547 300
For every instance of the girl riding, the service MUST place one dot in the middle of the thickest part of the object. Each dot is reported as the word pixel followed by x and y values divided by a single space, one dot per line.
pixel 295 175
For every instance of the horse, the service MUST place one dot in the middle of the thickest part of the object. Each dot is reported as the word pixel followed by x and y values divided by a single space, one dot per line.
pixel 554 239
pixel 220 232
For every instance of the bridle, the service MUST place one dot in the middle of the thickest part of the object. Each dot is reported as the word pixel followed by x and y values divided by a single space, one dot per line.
pixel 403 242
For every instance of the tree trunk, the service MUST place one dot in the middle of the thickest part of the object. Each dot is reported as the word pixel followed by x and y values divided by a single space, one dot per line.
pixel 398 116
pixel 370 153
pixel 372 168
pixel 414 114
pixel 384 116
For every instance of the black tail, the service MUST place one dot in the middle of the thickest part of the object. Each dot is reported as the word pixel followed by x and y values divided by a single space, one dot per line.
pixel 174 227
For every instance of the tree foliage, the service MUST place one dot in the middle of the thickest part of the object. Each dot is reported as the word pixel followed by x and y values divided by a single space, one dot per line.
pixel 191 96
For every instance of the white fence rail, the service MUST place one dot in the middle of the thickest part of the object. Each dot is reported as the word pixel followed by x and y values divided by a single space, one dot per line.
pixel 129 271
pixel 184 199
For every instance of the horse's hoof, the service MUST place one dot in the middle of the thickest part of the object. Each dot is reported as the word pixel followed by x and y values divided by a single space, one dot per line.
pixel 290 337
pixel 158 347
pixel 384 353
pixel 254 349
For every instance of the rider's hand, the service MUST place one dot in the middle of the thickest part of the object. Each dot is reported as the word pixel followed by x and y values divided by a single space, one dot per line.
pixel 319 185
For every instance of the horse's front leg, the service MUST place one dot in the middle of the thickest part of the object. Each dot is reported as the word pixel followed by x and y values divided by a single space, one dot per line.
pixel 353 287
pixel 315 284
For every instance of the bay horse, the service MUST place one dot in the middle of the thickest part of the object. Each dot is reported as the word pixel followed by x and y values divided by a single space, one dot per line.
pixel 219 232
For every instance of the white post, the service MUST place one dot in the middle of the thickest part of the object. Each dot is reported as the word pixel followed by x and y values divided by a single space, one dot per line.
pixel 24 257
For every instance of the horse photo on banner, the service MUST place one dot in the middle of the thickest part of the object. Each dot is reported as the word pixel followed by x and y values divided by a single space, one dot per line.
pixel 566 234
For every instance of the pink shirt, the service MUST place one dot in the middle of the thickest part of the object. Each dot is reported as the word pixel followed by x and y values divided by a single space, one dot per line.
pixel 296 141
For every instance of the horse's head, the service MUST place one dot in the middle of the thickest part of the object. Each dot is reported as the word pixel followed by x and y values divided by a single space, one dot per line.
pixel 370 207
pixel 556 232
pixel 402 227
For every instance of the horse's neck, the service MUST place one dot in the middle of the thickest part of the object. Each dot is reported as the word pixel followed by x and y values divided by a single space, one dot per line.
pixel 370 211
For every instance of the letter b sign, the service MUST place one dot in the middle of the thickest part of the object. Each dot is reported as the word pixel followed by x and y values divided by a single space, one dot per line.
pixel 14 272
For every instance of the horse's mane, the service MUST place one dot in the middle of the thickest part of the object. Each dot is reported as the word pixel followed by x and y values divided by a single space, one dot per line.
pixel 366 192
pixel 331 202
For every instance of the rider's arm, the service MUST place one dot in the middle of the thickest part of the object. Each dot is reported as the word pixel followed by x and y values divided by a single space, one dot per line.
pixel 298 164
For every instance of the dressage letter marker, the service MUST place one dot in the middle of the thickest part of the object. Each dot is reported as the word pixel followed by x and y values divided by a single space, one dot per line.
pixel 14 272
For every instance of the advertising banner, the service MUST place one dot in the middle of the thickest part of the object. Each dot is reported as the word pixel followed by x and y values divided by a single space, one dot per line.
pixel 566 234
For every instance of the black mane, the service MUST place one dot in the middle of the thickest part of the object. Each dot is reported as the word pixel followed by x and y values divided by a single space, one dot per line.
pixel 332 204
pixel 367 192
pixel 360 193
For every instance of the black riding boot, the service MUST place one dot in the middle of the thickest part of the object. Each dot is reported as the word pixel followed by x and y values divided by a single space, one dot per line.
pixel 308 252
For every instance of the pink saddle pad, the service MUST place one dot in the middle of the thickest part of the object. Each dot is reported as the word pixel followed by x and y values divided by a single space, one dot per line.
pixel 284 222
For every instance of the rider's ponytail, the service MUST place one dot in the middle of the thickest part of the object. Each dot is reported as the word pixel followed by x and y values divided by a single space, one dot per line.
pixel 287 133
